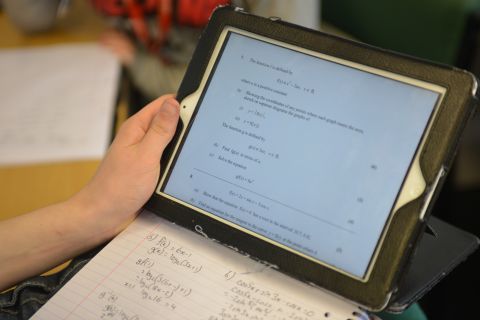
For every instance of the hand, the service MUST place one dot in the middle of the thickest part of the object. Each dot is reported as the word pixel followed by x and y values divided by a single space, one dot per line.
pixel 129 173
pixel 120 45
pixel 123 183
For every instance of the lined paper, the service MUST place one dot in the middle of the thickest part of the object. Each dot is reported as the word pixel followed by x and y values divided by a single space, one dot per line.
pixel 157 270
pixel 57 103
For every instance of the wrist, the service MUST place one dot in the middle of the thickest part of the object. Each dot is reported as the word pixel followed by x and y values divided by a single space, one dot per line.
pixel 99 216
pixel 90 212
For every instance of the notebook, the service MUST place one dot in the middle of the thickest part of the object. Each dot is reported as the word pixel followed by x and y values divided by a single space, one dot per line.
pixel 157 270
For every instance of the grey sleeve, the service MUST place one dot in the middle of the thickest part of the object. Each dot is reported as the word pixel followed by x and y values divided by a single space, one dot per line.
pixel 154 78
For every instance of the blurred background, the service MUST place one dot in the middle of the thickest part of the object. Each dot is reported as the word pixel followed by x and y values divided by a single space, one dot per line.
pixel 152 41
pixel 448 32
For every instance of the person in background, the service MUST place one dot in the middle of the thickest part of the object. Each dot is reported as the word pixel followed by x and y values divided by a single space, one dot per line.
pixel 155 40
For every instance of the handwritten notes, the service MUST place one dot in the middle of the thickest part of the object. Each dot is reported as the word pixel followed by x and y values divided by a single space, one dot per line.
pixel 156 270
pixel 57 103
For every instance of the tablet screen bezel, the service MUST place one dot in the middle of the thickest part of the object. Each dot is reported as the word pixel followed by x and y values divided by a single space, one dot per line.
pixel 374 292
pixel 411 188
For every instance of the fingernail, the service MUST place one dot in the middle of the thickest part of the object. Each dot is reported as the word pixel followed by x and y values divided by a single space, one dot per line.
pixel 171 106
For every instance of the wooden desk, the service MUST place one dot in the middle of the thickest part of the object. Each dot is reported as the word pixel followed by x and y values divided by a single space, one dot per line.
pixel 25 188
pixel 28 187
pixel 81 24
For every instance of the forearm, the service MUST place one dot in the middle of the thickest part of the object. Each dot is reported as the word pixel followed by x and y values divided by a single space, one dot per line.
pixel 35 242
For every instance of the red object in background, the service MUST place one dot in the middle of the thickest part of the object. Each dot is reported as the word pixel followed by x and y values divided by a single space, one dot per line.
pixel 186 12
pixel 196 13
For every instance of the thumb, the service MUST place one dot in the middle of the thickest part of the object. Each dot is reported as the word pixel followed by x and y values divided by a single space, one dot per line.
pixel 161 130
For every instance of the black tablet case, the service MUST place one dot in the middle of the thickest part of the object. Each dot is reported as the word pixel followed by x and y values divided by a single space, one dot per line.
pixel 440 250
pixel 438 152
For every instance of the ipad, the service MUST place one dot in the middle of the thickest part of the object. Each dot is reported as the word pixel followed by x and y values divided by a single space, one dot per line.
pixel 310 159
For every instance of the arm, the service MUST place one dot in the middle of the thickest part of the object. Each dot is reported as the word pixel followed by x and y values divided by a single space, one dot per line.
pixel 37 241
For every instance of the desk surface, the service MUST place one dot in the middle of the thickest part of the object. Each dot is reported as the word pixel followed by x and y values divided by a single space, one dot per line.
pixel 80 24
pixel 28 187
pixel 25 188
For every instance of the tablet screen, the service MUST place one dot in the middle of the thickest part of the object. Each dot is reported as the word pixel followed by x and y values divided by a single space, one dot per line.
pixel 304 152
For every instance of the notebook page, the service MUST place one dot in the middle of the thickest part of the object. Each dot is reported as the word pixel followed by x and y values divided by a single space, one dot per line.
pixel 157 270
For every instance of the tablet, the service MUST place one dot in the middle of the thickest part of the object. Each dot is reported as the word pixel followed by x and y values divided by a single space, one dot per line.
pixel 317 155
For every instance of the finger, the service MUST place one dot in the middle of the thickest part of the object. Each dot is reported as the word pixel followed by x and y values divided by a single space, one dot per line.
pixel 144 117
pixel 135 128
pixel 111 33
pixel 161 130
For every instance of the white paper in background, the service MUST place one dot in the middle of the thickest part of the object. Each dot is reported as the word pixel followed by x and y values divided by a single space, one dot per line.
pixel 56 103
